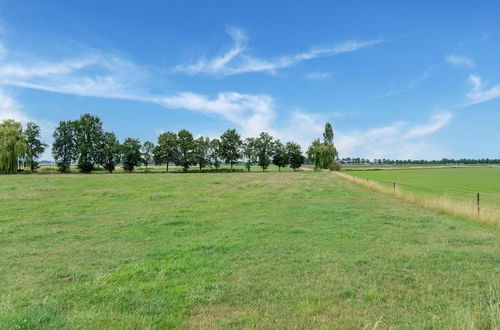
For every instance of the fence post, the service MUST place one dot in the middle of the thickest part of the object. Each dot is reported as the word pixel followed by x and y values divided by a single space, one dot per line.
pixel 394 187
pixel 478 205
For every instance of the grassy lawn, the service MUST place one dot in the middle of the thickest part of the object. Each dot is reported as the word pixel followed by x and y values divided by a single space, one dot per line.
pixel 456 183
pixel 281 250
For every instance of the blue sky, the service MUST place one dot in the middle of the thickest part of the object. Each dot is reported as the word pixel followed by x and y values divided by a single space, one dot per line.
pixel 396 79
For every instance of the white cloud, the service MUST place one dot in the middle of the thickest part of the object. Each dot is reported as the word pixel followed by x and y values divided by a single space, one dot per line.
pixel 318 76
pixel 460 61
pixel 436 122
pixel 10 109
pixel 479 94
pixel 398 140
pixel 236 61
pixel 254 113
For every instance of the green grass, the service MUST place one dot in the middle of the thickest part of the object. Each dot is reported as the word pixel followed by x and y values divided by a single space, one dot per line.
pixel 52 169
pixel 460 184
pixel 265 250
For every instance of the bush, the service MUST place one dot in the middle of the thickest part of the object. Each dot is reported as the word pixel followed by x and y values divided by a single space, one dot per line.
pixel 335 167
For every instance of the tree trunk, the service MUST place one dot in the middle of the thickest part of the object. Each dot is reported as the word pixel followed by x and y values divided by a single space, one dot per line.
pixel 279 168
pixel 231 166
pixel 167 167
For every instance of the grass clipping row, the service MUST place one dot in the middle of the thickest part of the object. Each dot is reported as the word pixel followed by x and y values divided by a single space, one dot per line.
pixel 461 209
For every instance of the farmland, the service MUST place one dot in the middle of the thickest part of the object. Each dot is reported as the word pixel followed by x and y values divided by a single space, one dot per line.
pixel 303 249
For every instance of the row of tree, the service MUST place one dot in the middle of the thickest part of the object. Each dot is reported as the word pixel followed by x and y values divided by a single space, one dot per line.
pixel 444 161
pixel 84 142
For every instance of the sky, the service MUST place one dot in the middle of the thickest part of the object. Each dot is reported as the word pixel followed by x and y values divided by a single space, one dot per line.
pixel 397 79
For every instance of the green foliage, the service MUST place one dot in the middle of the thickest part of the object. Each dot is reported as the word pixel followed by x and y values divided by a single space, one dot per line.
pixel 110 152
pixel 249 152
pixel 323 155
pixel 64 146
pixel 167 150
pixel 35 147
pixel 202 151
pixel 131 154
pixel 264 150
pixel 328 134
pixel 147 151
pixel 280 155
pixel 294 154
pixel 13 146
pixel 215 155
pixel 186 149
pixel 88 142
pixel 230 146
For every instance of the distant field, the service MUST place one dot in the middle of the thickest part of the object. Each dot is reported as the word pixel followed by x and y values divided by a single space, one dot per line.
pixel 461 184
pixel 237 250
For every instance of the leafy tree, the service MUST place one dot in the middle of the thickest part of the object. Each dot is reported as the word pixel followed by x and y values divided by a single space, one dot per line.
pixel 167 150
pixel 89 135
pixel 230 145
pixel 280 156
pixel 147 153
pixel 110 152
pixel 13 146
pixel 249 152
pixel 215 156
pixel 202 151
pixel 64 146
pixel 264 149
pixel 35 147
pixel 186 149
pixel 294 154
pixel 322 155
pixel 131 154
pixel 328 134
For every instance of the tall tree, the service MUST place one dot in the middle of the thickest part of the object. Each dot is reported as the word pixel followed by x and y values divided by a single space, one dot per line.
pixel 328 134
pixel 147 153
pixel 295 156
pixel 230 146
pixel 215 156
pixel 35 147
pixel 322 155
pixel 110 152
pixel 89 135
pixel 202 151
pixel 167 150
pixel 264 148
pixel 280 156
pixel 64 146
pixel 249 152
pixel 186 149
pixel 131 154
pixel 12 146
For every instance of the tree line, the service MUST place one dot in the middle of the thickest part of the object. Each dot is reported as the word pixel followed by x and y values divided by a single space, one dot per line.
pixel 84 142
pixel 444 161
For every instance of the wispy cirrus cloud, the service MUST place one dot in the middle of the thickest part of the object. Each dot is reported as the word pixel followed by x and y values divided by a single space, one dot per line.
pixel 236 59
pixel 399 140
pixel 479 94
pixel 460 61
pixel 104 75
pixel 412 84
pixel 318 76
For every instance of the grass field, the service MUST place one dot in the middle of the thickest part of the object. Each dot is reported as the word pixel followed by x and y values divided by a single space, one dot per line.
pixel 458 184
pixel 281 250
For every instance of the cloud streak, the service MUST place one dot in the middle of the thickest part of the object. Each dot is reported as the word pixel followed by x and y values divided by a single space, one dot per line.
pixel 460 61
pixel 236 60
pixel 479 94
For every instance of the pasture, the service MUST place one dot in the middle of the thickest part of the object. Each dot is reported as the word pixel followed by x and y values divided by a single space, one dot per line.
pixel 459 184
pixel 281 250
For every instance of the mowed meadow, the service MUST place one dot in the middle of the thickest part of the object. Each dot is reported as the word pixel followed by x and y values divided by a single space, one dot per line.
pixel 453 188
pixel 266 250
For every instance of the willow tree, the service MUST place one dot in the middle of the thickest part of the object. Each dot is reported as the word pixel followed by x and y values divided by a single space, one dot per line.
pixel 12 146
pixel 323 154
